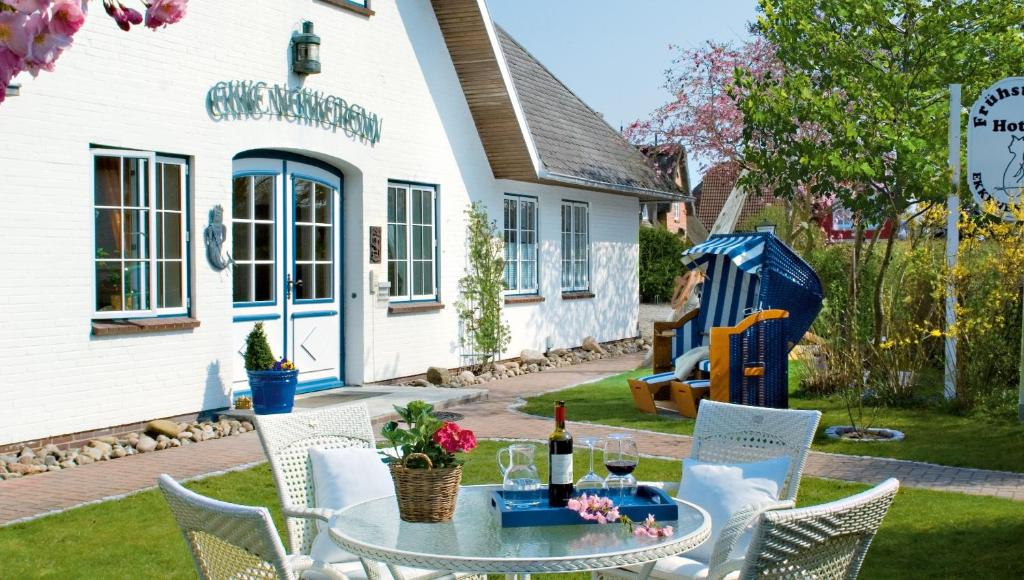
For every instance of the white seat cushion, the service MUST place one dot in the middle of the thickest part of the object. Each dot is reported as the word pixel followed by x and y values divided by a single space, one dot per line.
pixel 724 489
pixel 680 567
pixel 355 571
pixel 689 360
pixel 343 477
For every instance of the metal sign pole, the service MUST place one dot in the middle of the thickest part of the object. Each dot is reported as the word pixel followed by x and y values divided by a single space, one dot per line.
pixel 953 242
pixel 1020 394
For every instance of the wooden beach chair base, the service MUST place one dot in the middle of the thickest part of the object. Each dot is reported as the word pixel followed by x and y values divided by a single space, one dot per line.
pixel 688 395
pixel 651 394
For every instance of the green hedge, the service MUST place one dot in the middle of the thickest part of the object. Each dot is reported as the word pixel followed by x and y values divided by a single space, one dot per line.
pixel 660 262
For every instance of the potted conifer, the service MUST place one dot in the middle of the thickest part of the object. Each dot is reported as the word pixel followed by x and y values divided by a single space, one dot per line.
pixel 272 381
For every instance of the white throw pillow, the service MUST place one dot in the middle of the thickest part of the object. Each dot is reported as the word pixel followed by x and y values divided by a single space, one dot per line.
pixel 341 478
pixel 686 362
pixel 724 489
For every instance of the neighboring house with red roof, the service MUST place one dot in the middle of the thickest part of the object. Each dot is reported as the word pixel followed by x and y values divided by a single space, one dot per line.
pixel 669 161
pixel 712 192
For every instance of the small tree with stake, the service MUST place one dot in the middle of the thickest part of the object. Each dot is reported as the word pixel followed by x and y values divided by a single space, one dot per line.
pixel 479 307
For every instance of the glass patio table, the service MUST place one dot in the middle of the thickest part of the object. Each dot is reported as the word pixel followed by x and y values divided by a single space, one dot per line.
pixel 474 541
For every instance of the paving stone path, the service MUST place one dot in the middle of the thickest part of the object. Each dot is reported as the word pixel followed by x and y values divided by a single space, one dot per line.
pixel 30 497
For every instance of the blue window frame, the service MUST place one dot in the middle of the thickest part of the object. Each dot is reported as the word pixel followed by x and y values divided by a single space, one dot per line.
pixel 313 235
pixel 412 241
pixel 141 234
pixel 520 229
pixel 575 246
pixel 254 238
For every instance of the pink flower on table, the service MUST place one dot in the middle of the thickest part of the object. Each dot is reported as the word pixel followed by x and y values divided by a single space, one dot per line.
pixel 163 12
pixel 14 33
pixel 574 504
pixel 67 17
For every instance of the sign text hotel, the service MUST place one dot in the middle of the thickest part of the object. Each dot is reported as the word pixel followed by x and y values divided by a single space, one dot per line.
pixel 254 100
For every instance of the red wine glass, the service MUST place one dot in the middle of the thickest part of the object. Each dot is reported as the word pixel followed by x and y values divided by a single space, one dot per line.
pixel 620 459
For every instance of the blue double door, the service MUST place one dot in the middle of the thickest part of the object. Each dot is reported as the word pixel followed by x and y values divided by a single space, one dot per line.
pixel 287 243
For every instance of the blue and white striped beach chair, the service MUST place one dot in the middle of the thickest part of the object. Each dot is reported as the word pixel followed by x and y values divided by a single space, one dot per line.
pixel 743 274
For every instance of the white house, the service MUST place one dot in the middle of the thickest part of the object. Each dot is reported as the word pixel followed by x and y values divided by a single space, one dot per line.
pixel 342 195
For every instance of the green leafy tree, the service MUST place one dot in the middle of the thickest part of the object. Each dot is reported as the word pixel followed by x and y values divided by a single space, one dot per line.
pixel 868 80
pixel 661 260
pixel 258 356
pixel 480 303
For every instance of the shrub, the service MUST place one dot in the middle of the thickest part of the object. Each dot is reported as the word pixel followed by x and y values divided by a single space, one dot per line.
pixel 258 356
pixel 660 262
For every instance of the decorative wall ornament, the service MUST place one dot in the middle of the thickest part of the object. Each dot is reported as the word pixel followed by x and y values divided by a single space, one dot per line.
pixel 214 236
pixel 375 243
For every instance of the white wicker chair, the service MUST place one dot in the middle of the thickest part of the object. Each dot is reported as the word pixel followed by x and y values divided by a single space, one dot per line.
pixel 286 440
pixel 235 541
pixel 827 541
pixel 727 433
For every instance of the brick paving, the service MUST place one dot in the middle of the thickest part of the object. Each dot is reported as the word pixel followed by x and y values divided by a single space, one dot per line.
pixel 33 496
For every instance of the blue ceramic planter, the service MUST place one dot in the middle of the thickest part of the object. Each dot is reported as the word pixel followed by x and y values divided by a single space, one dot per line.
pixel 273 391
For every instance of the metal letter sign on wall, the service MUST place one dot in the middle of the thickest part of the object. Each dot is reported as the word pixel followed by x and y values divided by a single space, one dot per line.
pixel 254 100
pixel 375 244
pixel 995 146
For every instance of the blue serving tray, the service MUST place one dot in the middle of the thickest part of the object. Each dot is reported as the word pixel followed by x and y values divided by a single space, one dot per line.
pixel 648 500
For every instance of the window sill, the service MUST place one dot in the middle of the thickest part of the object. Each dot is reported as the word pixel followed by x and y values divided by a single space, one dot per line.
pixel 413 307
pixel 583 295
pixel 121 326
pixel 524 299
pixel 351 6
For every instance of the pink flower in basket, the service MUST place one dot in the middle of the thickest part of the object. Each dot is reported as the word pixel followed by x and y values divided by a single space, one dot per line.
pixel 454 439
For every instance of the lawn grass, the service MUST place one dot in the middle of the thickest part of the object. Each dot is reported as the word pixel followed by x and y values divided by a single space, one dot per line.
pixel 927 534
pixel 932 435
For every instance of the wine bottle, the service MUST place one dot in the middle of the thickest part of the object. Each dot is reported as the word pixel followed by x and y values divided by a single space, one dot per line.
pixel 560 479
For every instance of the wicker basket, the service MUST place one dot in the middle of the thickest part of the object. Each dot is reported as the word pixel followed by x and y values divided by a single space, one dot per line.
pixel 426 495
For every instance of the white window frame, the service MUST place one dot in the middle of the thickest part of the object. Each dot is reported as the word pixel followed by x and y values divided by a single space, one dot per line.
pixel 568 253
pixel 519 200
pixel 252 222
pixel 409 188
pixel 152 312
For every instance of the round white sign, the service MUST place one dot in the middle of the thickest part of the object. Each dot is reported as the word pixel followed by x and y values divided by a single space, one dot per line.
pixel 995 146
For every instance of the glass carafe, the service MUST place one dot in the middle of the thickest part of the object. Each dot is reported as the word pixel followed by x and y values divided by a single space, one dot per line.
pixel 520 480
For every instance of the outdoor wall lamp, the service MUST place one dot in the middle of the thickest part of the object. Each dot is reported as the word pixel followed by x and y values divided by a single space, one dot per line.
pixel 306 51
pixel 766 228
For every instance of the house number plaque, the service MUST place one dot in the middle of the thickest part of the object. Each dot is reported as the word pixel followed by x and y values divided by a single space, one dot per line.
pixel 375 244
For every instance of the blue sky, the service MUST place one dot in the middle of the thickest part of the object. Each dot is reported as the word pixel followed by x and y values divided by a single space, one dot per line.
pixel 613 53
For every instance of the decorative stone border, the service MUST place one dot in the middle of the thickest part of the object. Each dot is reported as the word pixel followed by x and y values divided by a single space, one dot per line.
pixel 890 435
pixel 158 434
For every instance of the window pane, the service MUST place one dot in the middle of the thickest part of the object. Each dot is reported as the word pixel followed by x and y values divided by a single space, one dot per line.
pixel 323 243
pixel 392 201
pixel 511 276
pixel 135 229
pixel 426 207
pixel 108 286
pixel 304 243
pixel 136 286
pixel 417 207
pixel 529 275
pixel 241 242
pixel 263 197
pixel 303 201
pixel 169 283
pixel 396 242
pixel 108 181
pixel 323 280
pixel 108 233
pixel 400 207
pixel 171 236
pixel 420 243
pixel 242 274
pixel 397 277
pixel 172 189
pixel 264 241
pixel 304 274
pixel 264 282
pixel 428 278
pixel 136 182
pixel 419 278
pixel 566 274
pixel 241 198
pixel 323 204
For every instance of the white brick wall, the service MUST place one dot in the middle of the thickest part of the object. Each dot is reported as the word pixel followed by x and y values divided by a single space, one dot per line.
pixel 146 90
